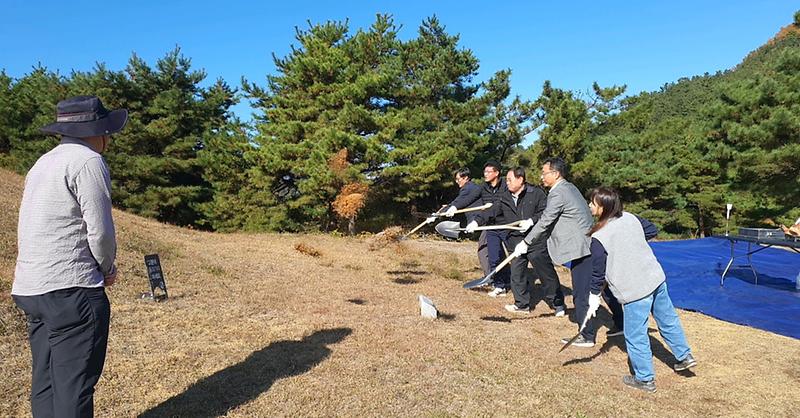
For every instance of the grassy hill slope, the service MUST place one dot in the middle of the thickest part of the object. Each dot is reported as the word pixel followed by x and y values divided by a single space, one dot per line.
pixel 686 97
pixel 254 327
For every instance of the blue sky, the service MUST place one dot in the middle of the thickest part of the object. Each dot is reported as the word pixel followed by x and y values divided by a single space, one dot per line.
pixel 643 44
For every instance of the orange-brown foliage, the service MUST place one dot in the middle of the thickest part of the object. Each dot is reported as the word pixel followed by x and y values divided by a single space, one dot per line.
pixel 350 200
pixel 307 250
pixel 338 162
pixel 784 32
pixel 388 236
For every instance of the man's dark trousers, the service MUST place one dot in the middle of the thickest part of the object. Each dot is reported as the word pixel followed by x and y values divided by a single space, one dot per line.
pixel 543 268
pixel 68 333
pixel 494 243
pixel 581 270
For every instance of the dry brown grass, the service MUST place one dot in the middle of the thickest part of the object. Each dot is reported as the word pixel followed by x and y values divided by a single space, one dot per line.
pixel 253 328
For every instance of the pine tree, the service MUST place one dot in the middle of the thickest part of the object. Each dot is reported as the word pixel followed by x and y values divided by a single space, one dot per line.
pixel 224 169
pixel 153 161
pixel 407 112
pixel 28 104
pixel 756 127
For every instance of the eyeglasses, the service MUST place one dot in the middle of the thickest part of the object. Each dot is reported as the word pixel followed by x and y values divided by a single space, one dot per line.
pixel 544 173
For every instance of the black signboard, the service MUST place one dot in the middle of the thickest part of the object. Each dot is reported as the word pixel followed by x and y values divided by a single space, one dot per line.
pixel 156 276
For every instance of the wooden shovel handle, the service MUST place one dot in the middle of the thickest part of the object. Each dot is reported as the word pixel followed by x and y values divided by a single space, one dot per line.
pixel 425 222
pixel 481 207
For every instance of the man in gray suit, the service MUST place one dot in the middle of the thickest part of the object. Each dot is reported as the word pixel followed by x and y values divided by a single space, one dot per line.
pixel 568 218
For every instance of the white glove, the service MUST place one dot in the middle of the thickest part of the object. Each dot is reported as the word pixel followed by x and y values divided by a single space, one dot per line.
pixel 450 211
pixel 594 304
pixel 520 249
pixel 471 227
pixel 430 219
pixel 526 224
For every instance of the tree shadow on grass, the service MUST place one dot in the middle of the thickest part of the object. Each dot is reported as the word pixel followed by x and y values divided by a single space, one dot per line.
pixel 236 385
pixel 496 319
pixel 407 272
pixel 406 276
pixel 357 301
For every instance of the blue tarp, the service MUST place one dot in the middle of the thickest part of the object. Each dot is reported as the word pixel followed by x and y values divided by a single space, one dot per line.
pixel 693 269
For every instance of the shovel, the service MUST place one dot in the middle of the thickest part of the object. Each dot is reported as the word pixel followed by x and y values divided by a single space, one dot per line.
pixel 452 229
pixel 572 340
pixel 583 325
pixel 438 214
pixel 488 278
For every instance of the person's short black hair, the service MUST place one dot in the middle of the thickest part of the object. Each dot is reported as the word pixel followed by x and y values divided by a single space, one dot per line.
pixel 494 164
pixel 462 172
pixel 558 164
pixel 518 172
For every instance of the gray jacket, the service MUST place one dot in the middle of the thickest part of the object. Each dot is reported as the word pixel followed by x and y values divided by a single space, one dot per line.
pixel 568 215
pixel 632 270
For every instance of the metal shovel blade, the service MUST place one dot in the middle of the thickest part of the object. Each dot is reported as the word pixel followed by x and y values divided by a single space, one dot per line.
pixel 479 282
pixel 580 330
pixel 449 229
pixel 569 343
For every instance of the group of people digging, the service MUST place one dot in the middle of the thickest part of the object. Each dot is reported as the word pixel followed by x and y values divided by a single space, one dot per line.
pixel 67 249
pixel 605 248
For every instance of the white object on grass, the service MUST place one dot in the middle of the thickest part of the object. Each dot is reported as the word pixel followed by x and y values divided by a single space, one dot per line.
pixel 427 308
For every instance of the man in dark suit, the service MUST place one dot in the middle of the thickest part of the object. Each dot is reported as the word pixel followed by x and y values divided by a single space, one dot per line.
pixel 469 193
pixel 525 202
pixel 491 242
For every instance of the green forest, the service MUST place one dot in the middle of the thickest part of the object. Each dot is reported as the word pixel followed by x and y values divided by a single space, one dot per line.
pixel 359 130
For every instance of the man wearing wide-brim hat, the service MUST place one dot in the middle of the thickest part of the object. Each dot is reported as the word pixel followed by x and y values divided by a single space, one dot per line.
pixel 67 248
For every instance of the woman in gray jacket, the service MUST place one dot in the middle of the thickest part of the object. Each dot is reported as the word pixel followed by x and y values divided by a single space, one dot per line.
pixel 622 258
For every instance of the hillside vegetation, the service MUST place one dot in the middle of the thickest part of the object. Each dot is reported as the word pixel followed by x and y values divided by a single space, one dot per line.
pixel 392 116
pixel 254 327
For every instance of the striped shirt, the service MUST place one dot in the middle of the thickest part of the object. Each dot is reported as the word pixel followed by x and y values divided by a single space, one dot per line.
pixel 65 234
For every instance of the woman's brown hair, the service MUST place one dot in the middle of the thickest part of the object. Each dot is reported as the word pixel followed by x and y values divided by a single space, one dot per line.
pixel 607 199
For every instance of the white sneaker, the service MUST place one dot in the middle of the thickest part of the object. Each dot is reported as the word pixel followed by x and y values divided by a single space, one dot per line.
pixel 497 292
pixel 514 308
pixel 560 310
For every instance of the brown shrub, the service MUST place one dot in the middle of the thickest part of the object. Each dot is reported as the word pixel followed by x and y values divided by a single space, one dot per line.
pixel 307 250
pixel 338 162
pixel 390 235
pixel 351 200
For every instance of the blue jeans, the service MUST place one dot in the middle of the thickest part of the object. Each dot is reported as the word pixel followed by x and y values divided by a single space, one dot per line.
pixel 637 341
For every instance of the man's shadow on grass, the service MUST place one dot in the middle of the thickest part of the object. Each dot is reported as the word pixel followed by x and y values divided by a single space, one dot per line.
pixel 236 385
